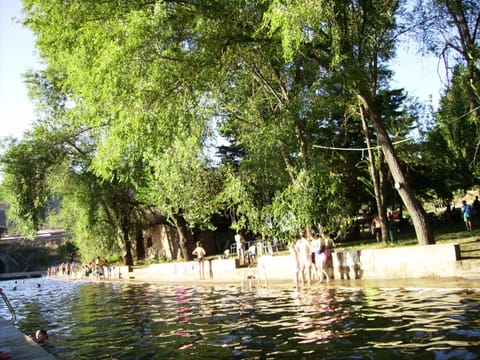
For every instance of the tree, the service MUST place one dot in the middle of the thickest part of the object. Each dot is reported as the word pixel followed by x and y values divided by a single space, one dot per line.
pixel 140 74
pixel 450 29
pixel 449 151
pixel 68 251
pixel 181 184
pixel 355 40
pixel 26 166
pixel 152 75
pixel 149 78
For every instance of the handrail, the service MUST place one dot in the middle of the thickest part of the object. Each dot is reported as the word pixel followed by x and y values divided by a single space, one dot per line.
pixel 9 306
pixel 249 275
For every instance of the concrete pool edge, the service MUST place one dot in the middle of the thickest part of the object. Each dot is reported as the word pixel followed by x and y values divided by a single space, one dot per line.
pixel 414 262
pixel 20 346
pixel 435 262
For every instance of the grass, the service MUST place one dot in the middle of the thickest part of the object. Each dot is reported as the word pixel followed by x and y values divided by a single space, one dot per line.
pixel 469 241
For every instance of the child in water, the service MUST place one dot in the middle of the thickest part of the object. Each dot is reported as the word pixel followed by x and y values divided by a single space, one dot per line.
pixel 41 337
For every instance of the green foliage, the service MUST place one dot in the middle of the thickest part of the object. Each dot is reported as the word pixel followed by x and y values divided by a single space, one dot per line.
pixel 451 146
pixel 315 200
pixel 131 91
pixel 26 166
pixel 68 251
pixel 449 29
pixel 92 209
pixel 236 197
pixel 179 182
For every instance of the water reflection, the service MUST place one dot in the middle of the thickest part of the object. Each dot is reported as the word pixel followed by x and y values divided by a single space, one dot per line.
pixel 143 321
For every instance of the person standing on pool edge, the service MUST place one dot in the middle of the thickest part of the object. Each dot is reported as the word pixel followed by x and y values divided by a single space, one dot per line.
pixel 199 251
pixel 467 215
pixel 240 244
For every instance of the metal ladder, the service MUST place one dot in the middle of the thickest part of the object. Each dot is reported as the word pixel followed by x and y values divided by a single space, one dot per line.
pixel 253 275
pixel 9 306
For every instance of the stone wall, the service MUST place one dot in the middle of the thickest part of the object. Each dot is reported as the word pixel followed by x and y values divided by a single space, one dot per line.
pixel 397 263
pixel 161 241
pixel 390 263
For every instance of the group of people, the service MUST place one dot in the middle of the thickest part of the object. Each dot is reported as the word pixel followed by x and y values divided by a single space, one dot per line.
pixel 376 227
pixel 247 251
pixel 97 269
pixel 311 255
pixel 467 212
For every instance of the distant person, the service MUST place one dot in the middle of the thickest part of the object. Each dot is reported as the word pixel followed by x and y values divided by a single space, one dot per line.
pixel 296 264
pixel 318 257
pixel 467 215
pixel 476 206
pixel 392 228
pixel 251 253
pixel 304 251
pixel 316 245
pixel 376 228
pixel 99 267
pixel 448 213
pixel 200 253
pixel 324 258
pixel 240 244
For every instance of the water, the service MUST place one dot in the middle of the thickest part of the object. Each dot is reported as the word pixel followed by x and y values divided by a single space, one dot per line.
pixel 148 321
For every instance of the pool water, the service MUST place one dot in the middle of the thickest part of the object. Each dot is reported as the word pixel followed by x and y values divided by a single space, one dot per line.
pixel 151 321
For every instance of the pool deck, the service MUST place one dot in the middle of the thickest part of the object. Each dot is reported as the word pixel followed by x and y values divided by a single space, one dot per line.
pixel 13 342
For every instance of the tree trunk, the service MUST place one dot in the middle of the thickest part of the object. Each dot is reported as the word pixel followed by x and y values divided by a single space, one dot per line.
pixel 474 102
pixel 127 258
pixel 139 242
pixel 379 199
pixel 469 53
pixel 182 231
pixel 419 217
pixel 382 174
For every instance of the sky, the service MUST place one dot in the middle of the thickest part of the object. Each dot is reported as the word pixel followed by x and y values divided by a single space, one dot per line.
pixel 17 56
pixel 419 76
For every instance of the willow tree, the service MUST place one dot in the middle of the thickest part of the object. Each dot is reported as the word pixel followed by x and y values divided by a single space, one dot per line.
pixel 26 166
pixel 47 182
pixel 136 74
pixel 355 39
pixel 274 113
pixel 150 75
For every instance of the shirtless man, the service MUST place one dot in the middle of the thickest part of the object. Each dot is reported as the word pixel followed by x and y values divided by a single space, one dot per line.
pixel 200 253
pixel 240 244
pixel 304 251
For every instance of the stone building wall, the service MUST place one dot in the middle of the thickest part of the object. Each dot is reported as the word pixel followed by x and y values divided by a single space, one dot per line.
pixel 161 242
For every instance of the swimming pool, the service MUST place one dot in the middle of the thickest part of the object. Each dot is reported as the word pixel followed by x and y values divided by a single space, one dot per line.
pixel 151 321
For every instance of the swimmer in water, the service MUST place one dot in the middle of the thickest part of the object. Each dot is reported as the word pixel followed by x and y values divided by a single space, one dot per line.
pixel 41 336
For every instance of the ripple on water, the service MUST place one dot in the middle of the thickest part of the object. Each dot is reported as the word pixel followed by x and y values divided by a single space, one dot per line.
pixel 142 321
